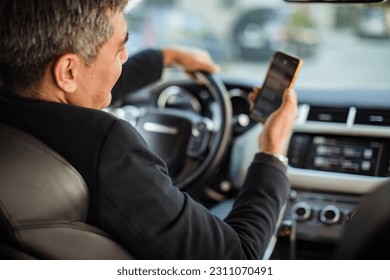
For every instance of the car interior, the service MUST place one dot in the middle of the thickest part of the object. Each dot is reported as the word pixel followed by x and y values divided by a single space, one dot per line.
pixel 339 150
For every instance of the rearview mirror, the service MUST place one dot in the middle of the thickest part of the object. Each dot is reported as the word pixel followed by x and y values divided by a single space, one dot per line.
pixel 336 1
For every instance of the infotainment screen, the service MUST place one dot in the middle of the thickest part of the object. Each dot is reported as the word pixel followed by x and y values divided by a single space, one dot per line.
pixel 340 154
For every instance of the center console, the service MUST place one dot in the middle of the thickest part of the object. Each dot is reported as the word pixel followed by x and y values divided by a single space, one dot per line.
pixel 315 222
pixel 330 173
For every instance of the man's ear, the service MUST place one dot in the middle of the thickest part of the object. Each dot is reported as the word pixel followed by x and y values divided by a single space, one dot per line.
pixel 66 70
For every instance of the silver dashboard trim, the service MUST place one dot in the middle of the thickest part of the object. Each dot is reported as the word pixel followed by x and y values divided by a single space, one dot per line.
pixel 313 127
pixel 331 181
pixel 351 116
pixel 174 91
pixel 159 128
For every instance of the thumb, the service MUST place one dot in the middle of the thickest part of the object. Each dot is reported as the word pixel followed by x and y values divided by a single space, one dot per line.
pixel 289 103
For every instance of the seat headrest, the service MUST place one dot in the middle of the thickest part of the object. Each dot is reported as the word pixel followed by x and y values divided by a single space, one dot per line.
pixel 36 183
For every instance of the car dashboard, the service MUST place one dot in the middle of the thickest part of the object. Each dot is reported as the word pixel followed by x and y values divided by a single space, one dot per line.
pixel 338 152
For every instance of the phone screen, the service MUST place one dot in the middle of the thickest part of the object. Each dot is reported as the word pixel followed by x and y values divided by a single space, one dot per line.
pixel 281 74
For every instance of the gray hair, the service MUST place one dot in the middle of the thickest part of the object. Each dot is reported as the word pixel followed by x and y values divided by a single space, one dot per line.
pixel 34 33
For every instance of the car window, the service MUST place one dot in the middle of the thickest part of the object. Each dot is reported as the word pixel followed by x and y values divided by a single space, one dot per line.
pixel 341 45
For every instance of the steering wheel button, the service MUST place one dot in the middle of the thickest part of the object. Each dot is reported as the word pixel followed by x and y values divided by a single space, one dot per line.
pixel 201 126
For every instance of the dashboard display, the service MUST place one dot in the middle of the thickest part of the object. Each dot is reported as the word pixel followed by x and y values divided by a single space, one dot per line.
pixel 361 156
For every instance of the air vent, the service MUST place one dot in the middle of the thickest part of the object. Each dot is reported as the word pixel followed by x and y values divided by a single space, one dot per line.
pixel 327 114
pixel 372 117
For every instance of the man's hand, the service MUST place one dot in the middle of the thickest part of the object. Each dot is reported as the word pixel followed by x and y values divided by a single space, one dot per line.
pixel 189 59
pixel 279 125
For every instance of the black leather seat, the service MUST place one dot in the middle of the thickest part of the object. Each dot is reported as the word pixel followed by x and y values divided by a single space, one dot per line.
pixel 43 205
pixel 367 236
pixel 44 202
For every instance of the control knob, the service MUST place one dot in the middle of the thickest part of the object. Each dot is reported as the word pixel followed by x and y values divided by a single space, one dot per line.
pixel 301 211
pixel 330 215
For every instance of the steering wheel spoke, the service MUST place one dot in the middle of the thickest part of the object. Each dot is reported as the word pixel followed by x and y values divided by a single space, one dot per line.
pixel 200 137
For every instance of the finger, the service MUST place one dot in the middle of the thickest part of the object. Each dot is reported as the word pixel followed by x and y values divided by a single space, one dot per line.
pixel 289 98
pixel 253 95
pixel 209 67
pixel 289 104
pixel 256 89
pixel 200 61
pixel 189 74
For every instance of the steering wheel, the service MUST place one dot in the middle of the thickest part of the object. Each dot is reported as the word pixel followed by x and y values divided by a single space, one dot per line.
pixel 192 145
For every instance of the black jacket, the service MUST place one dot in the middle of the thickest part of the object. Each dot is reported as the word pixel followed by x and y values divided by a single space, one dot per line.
pixel 131 195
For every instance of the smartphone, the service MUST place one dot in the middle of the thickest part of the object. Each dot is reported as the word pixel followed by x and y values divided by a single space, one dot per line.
pixel 282 72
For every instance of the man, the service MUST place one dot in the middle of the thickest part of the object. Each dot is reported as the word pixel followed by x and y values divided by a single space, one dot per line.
pixel 60 61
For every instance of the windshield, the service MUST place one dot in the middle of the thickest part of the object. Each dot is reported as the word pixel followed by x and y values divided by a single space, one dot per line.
pixel 341 45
